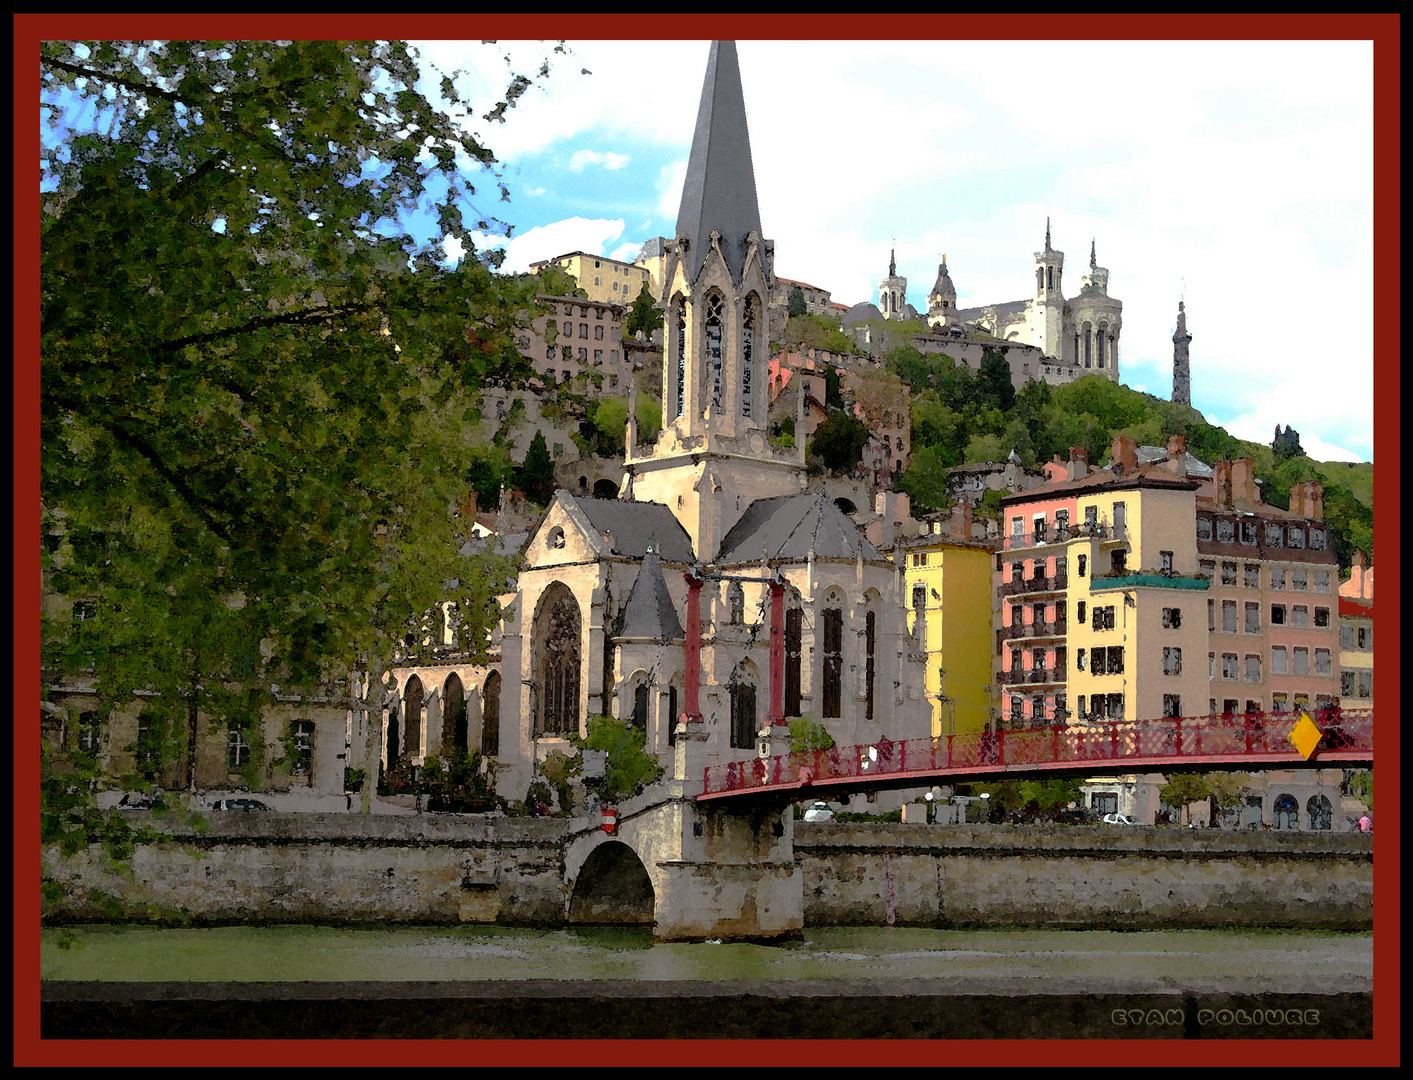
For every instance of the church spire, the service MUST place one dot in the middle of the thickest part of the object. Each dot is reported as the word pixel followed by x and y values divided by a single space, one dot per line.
pixel 892 262
pixel 720 189
pixel 1093 261
pixel 1047 233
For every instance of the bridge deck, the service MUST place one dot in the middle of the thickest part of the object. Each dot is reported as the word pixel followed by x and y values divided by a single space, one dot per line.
pixel 1176 743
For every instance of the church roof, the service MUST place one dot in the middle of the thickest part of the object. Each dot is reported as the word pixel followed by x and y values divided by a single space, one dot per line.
pixel 792 526
pixel 635 524
pixel 861 313
pixel 720 188
pixel 650 612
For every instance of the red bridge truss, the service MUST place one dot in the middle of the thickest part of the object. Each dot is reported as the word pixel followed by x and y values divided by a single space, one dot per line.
pixel 1250 741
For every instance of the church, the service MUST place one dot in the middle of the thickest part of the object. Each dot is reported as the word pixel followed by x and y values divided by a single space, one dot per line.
pixel 716 597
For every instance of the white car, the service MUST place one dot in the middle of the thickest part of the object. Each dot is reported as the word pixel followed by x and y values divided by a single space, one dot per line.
pixel 819 812
pixel 1118 819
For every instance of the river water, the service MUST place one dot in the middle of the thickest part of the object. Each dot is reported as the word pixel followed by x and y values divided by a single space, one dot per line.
pixel 1154 960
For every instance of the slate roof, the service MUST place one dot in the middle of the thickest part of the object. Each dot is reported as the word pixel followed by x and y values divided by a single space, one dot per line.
pixel 790 527
pixel 634 524
pixel 1195 466
pixel 650 612
pixel 720 188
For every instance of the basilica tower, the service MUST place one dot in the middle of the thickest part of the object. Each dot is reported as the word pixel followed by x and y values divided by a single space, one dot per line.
pixel 1182 374
pixel 712 456
pixel 1049 307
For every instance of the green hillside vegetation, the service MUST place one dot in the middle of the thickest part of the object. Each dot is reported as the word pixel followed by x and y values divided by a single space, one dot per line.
pixel 964 417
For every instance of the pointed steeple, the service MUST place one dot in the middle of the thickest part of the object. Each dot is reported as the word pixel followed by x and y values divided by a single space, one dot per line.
pixel 892 262
pixel 720 188
pixel 1047 233
pixel 650 612
pixel 1093 261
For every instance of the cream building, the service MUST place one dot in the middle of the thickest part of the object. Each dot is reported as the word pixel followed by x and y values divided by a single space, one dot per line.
pixel 605 280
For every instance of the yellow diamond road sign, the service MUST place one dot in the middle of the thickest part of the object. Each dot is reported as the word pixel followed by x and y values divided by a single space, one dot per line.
pixel 1305 736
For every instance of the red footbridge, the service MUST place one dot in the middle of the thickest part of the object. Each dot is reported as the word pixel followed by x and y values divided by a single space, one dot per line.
pixel 1188 743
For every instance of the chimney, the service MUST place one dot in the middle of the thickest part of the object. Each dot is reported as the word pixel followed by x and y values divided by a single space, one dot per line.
pixel 1124 458
pixel 1243 484
pixel 1357 578
pixel 1078 464
pixel 966 521
pixel 1221 483
pixel 1315 500
pixel 1177 454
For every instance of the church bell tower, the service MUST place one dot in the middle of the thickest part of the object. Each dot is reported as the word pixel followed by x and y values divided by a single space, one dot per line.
pixel 712 457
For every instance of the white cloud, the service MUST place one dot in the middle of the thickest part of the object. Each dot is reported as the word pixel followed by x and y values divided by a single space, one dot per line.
pixel 556 238
pixel 609 161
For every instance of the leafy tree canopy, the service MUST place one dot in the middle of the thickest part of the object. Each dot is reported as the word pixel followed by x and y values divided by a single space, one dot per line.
pixel 838 442
pixel 642 315
pixel 255 383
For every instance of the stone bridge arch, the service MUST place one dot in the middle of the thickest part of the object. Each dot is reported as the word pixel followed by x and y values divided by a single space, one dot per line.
pixel 612 886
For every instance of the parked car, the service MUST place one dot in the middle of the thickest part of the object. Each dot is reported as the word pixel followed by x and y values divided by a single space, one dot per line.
pixel 1118 819
pixel 134 801
pixel 819 811
pixel 238 804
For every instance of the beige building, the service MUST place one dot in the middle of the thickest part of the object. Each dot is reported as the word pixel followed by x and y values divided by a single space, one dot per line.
pixel 1356 636
pixel 605 280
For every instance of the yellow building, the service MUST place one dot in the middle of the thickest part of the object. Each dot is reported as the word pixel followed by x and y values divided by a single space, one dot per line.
pixel 949 589
pixel 603 279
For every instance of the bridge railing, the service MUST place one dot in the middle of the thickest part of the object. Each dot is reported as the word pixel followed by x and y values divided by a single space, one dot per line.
pixel 1190 738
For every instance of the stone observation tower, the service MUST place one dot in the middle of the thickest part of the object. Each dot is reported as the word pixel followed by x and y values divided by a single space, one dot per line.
pixel 1182 373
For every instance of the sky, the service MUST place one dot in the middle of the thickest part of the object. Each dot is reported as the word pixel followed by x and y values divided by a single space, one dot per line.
pixel 1236 176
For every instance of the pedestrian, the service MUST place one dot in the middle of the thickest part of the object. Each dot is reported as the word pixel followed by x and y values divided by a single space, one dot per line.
pixel 1366 824
pixel 348 802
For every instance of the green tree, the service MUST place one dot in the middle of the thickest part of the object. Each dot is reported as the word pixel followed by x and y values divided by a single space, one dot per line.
pixel 1183 789
pixel 642 315
pixel 925 480
pixel 629 767
pixel 254 382
pixel 838 442
pixel 994 379
pixel 795 302
pixel 536 476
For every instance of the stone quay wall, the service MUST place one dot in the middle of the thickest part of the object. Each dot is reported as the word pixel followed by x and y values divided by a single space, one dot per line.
pixel 1084 877
pixel 336 868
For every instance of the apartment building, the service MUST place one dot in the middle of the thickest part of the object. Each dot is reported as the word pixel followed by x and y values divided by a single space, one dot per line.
pixel 605 280
pixel 947 578
pixel 577 337
pixel 1138 591
pixel 1356 636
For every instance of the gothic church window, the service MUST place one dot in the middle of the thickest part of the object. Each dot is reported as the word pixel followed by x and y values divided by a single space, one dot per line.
pixel 558 642
pixel 748 337
pixel 794 633
pixel 490 715
pixel 743 713
pixel 833 619
pixel 681 355
pixel 713 344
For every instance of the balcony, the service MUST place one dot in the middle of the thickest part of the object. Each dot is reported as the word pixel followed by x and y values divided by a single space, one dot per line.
pixel 1034 677
pixel 1041 584
pixel 1157 579
pixel 1032 630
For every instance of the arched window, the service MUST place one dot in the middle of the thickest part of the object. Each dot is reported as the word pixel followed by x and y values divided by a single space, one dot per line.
pixel 736 600
pixel 1287 812
pixel 748 339
pixel 794 634
pixel 1319 810
pixel 490 715
pixel 412 717
pixel 681 390
pixel 1088 345
pixel 1049 278
pixel 833 635
pixel 453 715
pixel 393 728
pixel 712 344
pixel 557 642
pixel 1099 344
pixel 870 646
pixel 743 710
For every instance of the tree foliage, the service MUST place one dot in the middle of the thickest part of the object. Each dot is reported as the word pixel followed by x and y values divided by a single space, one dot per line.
pixel 839 441
pixel 255 383
pixel 643 315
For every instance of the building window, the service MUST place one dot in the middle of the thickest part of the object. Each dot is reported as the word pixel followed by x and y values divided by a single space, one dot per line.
pixel 237 749
pixel 301 747
pixel 1251 576
pixel 1364 637
pixel 1366 684
pixel 1229 666
pixel 743 716
pixel 870 645
pixel 1300 580
pixel 1248 533
pixel 1280 702
pixel 794 634
pixel 1228 573
pixel 1165 562
pixel 1295 537
pixel 1322 661
pixel 833 619
pixel 1172 661
pixel 713 345
pixel 1277 614
pixel 90 733
pixel 1322 616
pixel 558 642
pixel 1172 705
pixel 1253 667
pixel 1300 615
pixel 1278 657
pixel 1079 612
pixel 1208 568
pixel 1172 618
pixel 1228 616
pixel 1083 563
pixel 1080 663
pixel 1211 615
pixel 1274 534
pixel 1103 618
pixel 1317 539
pixel 1346 683
pixel 598 331
pixel 1226 531
pixel 1301 659
pixel 1204 528
pixel 1253 618
pixel 1322 581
